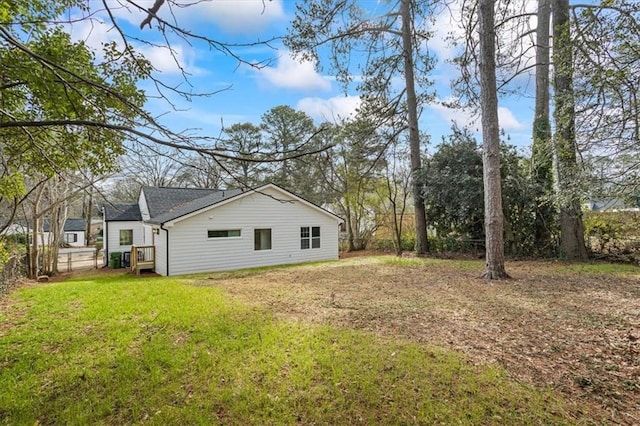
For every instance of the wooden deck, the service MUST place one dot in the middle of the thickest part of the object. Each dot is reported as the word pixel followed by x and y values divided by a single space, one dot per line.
pixel 143 257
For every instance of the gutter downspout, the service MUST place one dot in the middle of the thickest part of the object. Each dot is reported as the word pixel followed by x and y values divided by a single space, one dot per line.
pixel 167 254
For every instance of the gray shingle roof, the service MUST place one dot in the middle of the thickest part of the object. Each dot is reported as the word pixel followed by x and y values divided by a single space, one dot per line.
pixel 122 212
pixel 71 225
pixel 166 204
pixel 75 224
pixel 160 200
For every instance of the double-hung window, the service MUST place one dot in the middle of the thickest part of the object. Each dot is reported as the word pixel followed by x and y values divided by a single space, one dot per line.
pixel 309 237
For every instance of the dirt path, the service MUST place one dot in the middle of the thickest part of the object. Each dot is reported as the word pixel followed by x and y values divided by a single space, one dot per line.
pixel 574 331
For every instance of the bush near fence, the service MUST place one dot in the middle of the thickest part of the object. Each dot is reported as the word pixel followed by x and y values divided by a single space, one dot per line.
pixel 613 235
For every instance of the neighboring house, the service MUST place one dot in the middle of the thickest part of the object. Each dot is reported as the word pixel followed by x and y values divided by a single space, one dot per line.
pixel 205 230
pixel 74 232
pixel 606 204
pixel 16 229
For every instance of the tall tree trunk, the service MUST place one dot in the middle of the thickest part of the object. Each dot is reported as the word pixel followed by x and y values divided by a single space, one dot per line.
pixel 37 233
pixel 34 263
pixel 351 246
pixel 571 228
pixel 422 243
pixel 493 215
pixel 541 158
pixel 87 240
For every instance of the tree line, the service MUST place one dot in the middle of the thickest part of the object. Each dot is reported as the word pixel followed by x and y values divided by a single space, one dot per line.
pixel 69 116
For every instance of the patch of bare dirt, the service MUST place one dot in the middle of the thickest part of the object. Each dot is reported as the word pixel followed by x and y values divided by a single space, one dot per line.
pixel 578 333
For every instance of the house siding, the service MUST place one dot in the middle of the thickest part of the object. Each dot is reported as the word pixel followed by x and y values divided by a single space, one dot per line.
pixel 144 208
pixel 160 241
pixel 80 238
pixel 191 251
pixel 147 236
pixel 113 237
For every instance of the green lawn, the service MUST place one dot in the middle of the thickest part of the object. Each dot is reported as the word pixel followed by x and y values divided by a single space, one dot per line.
pixel 119 349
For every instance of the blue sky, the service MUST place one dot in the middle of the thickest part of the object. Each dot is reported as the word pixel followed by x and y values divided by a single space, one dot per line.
pixel 246 93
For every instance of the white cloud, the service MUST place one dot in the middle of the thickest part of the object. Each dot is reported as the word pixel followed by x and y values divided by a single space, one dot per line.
pixel 96 32
pixel 171 61
pixel 133 13
pixel 508 121
pixel 446 24
pixel 332 109
pixel 292 74
pixel 93 32
pixel 506 118
pixel 248 17
pixel 462 118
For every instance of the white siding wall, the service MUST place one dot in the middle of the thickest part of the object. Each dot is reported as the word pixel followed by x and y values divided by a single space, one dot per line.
pixel 144 208
pixel 80 238
pixel 46 238
pixel 192 251
pixel 113 237
pixel 147 236
pixel 160 241
pixel 105 259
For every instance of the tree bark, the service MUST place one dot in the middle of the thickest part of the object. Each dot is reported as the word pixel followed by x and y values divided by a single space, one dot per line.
pixel 493 216
pixel 87 241
pixel 572 244
pixel 37 234
pixel 541 155
pixel 422 242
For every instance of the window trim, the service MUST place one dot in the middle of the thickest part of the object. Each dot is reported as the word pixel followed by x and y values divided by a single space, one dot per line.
pixel 224 237
pixel 255 234
pixel 120 237
pixel 309 238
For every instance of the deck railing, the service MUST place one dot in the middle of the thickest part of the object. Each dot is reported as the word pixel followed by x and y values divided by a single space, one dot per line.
pixel 143 257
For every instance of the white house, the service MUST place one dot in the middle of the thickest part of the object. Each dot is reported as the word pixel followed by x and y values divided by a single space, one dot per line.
pixel 74 232
pixel 205 230
pixel 16 229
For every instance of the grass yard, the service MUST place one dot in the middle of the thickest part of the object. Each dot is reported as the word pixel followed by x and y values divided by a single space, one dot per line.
pixel 375 340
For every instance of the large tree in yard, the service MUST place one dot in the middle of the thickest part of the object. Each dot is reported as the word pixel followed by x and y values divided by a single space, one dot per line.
pixel 567 168
pixel 494 262
pixel 392 40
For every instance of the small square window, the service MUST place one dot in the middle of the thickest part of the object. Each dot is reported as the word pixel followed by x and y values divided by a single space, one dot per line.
pixel 126 237
pixel 262 239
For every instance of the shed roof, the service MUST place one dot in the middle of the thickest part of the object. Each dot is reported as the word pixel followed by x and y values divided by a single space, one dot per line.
pixel 75 224
pixel 70 225
pixel 122 212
